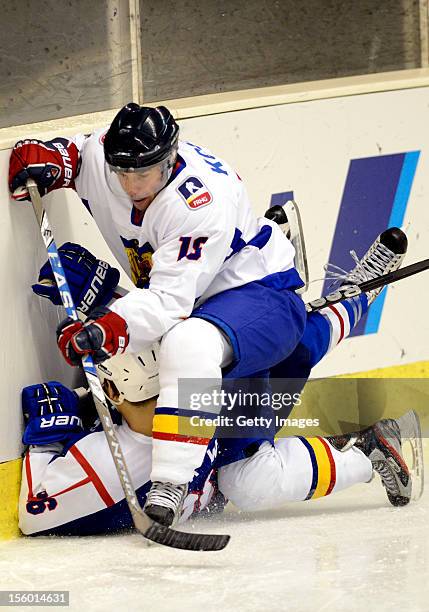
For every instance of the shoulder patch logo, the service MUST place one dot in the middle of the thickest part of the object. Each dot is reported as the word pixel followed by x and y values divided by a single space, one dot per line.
pixel 194 192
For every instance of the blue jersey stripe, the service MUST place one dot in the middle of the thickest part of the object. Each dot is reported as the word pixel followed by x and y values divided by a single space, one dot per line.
pixel 314 465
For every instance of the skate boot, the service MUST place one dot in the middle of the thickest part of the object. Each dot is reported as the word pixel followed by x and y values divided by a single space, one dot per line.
pixel 164 502
pixel 382 444
pixel 384 255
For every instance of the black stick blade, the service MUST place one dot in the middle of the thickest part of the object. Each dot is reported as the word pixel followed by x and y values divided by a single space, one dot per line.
pixel 185 541
pixel 374 283
pixel 392 277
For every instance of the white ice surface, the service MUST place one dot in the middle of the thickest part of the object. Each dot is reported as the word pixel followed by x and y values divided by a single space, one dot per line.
pixel 351 551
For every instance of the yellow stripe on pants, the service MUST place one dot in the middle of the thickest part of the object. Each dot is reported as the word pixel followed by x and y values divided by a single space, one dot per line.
pixel 323 467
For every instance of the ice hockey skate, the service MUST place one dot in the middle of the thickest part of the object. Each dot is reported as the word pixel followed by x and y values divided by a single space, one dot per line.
pixel 288 218
pixel 385 255
pixel 382 444
pixel 164 502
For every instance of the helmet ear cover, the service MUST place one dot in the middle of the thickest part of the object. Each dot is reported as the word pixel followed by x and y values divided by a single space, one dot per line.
pixel 141 136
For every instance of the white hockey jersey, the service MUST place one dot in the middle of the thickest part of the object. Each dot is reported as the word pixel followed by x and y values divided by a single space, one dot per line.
pixel 82 487
pixel 198 237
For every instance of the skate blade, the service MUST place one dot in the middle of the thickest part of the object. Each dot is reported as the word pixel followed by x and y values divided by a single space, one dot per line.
pixel 412 450
pixel 297 239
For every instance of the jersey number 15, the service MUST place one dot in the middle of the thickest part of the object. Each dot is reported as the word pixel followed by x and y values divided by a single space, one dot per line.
pixel 191 251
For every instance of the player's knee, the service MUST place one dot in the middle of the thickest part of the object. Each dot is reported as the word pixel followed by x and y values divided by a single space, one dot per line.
pixel 248 483
pixel 235 488
pixel 192 348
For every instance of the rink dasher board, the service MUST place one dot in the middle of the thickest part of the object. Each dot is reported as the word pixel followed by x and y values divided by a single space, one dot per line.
pixel 306 148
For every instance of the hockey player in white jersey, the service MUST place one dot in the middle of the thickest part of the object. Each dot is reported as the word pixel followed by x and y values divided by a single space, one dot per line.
pixel 210 277
pixel 69 482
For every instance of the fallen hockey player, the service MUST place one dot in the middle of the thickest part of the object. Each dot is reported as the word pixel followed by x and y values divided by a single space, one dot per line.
pixel 70 485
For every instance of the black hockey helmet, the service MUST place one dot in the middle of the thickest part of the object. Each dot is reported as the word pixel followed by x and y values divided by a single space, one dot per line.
pixel 140 137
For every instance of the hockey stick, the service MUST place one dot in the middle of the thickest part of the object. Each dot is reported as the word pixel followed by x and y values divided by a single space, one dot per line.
pixel 149 529
pixel 374 283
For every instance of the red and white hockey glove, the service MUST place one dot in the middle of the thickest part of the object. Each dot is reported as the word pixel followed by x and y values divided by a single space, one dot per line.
pixel 103 335
pixel 51 164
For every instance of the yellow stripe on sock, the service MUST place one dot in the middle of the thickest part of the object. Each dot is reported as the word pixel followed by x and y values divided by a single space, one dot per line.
pixel 166 423
pixel 10 481
pixel 173 424
pixel 323 466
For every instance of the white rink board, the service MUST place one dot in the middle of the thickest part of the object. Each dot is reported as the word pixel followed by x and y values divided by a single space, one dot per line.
pixel 28 350
pixel 306 148
pixel 302 147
